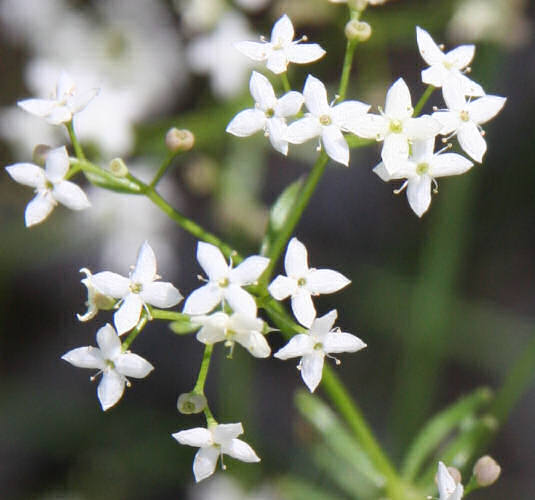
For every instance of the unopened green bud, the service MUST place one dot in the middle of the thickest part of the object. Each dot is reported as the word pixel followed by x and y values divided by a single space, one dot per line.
pixel 179 140
pixel 118 167
pixel 486 471
pixel 189 403
pixel 359 31
pixel 40 153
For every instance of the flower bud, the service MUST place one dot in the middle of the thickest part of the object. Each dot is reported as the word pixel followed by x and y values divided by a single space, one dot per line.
pixel 189 402
pixel 40 153
pixel 486 471
pixel 179 140
pixel 358 31
pixel 118 167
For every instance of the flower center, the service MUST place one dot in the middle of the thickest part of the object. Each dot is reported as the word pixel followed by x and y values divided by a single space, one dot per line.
pixel 448 65
pixel 318 346
pixel 49 185
pixel 325 120
pixel 396 126
pixel 465 116
pixel 270 113
pixel 110 364
pixel 136 287
pixel 301 282
pixel 224 282
pixel 422 168
pixel 279 44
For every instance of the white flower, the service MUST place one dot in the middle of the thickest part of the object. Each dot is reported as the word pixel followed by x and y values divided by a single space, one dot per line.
pixel 114 364
pixel 421 170
pixel 224 282
pixel 326 121
pixel 464 118
pixel 95 299
pixel 396 126
pixel 320 341
pixel 269 113
pixel 237 327
pixel 139 289
pixel 448 489
pixel 66 103
pixel 281 49
pixel 444 67
pixel 302 282
pixel 216 441
pixel 50 186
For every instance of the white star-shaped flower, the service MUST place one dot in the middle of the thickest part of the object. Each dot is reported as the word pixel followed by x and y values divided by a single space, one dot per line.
pixel 421 170
pixel 326 121
pixel 50 185
pixel 237 327
pixel 444 67
pixel 66 103
pixel 464 118
pixel 214 442
pixel 224 282
pixel 396 125
pixel 269 113
pixel 448 489
pixel 139 289
pixel 320 341
pixel 302 282
pixel 281 49
pixel 114 365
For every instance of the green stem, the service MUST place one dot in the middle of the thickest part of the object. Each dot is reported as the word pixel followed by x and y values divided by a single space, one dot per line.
pixel 135 332
pixel 285 82
pixel 87 166
pixel 169 315
pixel 74 140
pixel 203 370
pixel 163 169
pixel 425 97
pixel 346 70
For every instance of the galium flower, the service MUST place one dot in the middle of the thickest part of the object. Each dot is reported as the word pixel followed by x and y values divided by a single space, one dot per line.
pixel 136 291
pixel 225 282
pixel 269 113
pixel 50 185
pixel 445 67
pixel 321 340
pixel 326 121
pixel 61 108
pixel 448 489
pixel 464 118
pixel 421 170
pixel 281 49
pixel 214 442
pixel 302 282
pixel 237 327
pixel 95 299
pixel 113 363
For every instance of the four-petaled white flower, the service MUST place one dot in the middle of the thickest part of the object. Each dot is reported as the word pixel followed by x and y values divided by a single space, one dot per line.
pixel 464 118
pixel 326 121
pixel 421 169
pixel 114 364
pixel 302 282
pixel 281 49
pixel 50 185
pixel 448 489
pixel 224 282
pixel 320 341
pixel 269 113
pixel 66 103
pixel 237 327
pixel 136 291
pixel 396 125
pixel 216 441
pixel 445 67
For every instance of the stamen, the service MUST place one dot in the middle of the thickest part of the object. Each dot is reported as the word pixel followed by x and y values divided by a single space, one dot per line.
pixel 435 186
pixel 442 46
pixel 336 360
pixel 263 38
pixel 202 278
pixel 223 466
pixel 403 186
pixel 445 148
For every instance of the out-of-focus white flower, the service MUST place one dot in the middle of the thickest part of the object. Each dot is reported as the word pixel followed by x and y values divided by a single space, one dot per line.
pixel 252 5
pixel 446 67
pixel 223 487
pixel 199 15
pixel 326 121
pixel 370 2
pixel 139 289
pixel 281 49
pixel 50 185
pixel 421 170
pixel 114 364
pixel 302 282
pixel 245 330
pixel 224 282
pixel 448 489
pixel 312 347
pixel 214 442
pixel 464 118
pixel 269 113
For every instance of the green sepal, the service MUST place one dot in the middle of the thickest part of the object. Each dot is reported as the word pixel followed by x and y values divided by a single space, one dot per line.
pixel 183 327
pixel 109 181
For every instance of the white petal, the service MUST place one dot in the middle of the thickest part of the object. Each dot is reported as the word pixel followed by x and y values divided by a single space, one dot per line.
pixel 255 343
pixel 80 100
pixel 326 281
pixel 254 50
pixel 453 94
pixel 445 482
pixel 296 259
pixel 212 261
pixel 299 345
pixel 401 169
pixel 277 131
pixel 324 324
pixel 282 287
pixel 303 307
pixel 472 141
pixel 429 50
pixel 277 61
pixel 108 342
pixel 382 172
pixel 128 314
pixel 449 164
pixel 132 365
pixel 65 85
pixel 57 164
pixel 485 108
pixel 303 130
pixel 335 144
pixel 205 462
pixel 39 209
pixel 450 121
pixel 283 31
pixel 369 126
pixel 316 96
pixel 110 389
pixel 85 357
pixel 213 331
pixel 435 75
pixel 419 194
pixel 289 104
pixel 160 294
pixel 145 270
pixel 27 174
pixel 347 113
pixel 262 91
pixel 60 114
pixel 249 270
pixel 342 342
pixel 395 150
pixel 421 128
pixel 312 369
pixel 304 53
pixel 461 56
pixel 38 107
pixel 240 300
pixel 203 300
pixel 70 195
pixel 422 150
pixel 247 123
pixel 240 450
pixel 112 284
pixel 470 87
pixel 226 432
pixel 398 101
pixel 199 437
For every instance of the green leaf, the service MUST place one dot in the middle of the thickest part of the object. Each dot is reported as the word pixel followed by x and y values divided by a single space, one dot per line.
pixel 183 327
pixel 439 427
pixel 279 214
pixel 118 184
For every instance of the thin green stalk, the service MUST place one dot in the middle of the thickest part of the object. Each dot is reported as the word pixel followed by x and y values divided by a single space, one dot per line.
pixel 169 315
pixel 135 332
pixel 425 97
pixel 163 169
pixel 346 70
pixel 74 140
pixel 285 82
pixel 203 370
